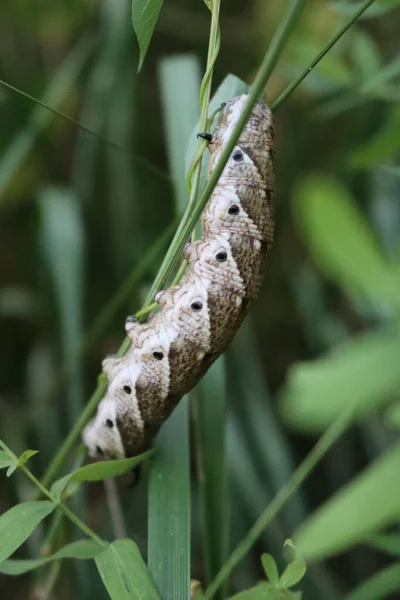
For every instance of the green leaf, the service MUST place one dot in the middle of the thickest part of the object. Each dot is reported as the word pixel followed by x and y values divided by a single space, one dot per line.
pixel 169 479
pixel 62 240
pixel 377 9
pixel 26 455
pixel 58 90
pixel 177 73
pixel 293 573
pixel 124 573
pixel 381 146
pixel 83 549
pixel 18 523
pixel 13 467
pixel 5 460
pixel 211 405
pixel 392 169
pixel 378 587
pixel 265 591
pixel 392 415
pixel 343 243
pixel 270 568
pixel 144 18
pixel 99 471
pixel 365 55
pixel 389 543
pixel 363 371
pixel 369 502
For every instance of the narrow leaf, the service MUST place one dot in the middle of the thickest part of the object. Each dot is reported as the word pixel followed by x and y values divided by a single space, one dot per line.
pixel 19 522
pixel 389 543
pixel 380 147
pixel 169 481
pixel 124 573
pixel 99 471
pixel 342 242
pixel 293 573
pixel 363 371
pixel 58 90
pixel 369 502
pixel 25 456
pixel 62 240
pixel 211 404
pixel 144 18
pixel 270 568
pixel 378 587
pixel 83 549
pixel 5 460
pixel 265 591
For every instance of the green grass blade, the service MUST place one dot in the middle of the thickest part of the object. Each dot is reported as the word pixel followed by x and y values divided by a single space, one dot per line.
pixel 19 522
pixel 372 496
pixel 169 508
pixel 169 484
pixel 62 244
pixel 177 74
pixel 82 550
pixel 254 408
pixel 58 90
pixel 124 572
pixel 210 400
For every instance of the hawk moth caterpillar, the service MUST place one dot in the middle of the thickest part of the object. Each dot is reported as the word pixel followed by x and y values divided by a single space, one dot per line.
pixel 197 318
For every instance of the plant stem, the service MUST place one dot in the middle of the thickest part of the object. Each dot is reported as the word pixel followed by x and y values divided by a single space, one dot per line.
pixel 193 210
pixel 331 435
pixel 286 93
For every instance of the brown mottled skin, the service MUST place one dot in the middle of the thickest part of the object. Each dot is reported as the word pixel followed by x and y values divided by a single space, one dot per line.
pixel 198 317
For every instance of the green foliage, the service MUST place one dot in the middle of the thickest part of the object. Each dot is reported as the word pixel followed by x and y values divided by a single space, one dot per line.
pixel 82 550
pixel 144 18
pixel 99 471
pixel 328 313
pixel 124 572
pixel 18 523
pixel 363 372
pixel 371 496
pixel 343 243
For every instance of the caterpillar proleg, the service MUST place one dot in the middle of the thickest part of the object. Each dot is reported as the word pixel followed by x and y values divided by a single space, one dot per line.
pixel 197 318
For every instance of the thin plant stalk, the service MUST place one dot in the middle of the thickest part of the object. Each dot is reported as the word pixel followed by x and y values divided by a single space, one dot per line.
pixel 139 159
pixel 300 474
pixel 290 89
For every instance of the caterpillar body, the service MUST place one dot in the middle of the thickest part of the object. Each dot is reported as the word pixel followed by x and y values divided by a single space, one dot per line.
pixel 198 317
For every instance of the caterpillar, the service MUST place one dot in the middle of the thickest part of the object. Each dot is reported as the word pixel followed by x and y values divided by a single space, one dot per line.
pixel 197 318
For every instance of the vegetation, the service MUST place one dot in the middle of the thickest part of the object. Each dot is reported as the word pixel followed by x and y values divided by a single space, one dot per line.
pixel 293 434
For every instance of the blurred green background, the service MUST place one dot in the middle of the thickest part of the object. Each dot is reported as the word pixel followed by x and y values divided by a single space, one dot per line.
pixel 80 217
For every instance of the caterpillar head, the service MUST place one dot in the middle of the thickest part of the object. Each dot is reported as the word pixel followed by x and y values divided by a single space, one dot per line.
pixel 117 430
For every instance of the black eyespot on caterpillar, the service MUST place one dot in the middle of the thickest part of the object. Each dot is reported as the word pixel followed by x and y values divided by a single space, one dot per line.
pixel 218 294
pixel 233 209
pixel 196 306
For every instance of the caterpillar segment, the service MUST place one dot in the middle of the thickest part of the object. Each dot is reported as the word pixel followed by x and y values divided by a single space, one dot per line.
pixel 196 319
